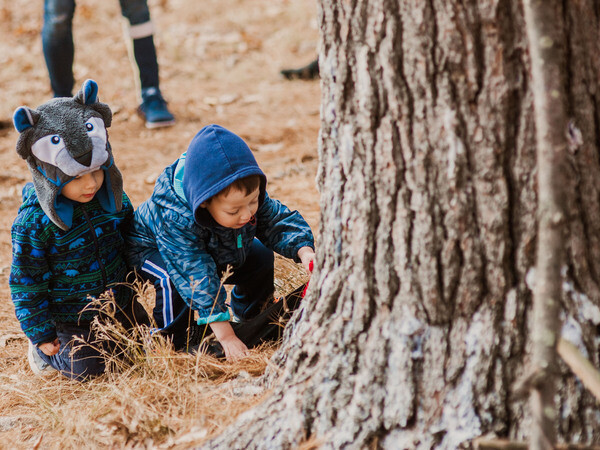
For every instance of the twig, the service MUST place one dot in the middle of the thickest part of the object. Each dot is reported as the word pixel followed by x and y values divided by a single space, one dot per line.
pixel 502 444
pixel 38 442
pixel 532 380
pixel 545 32
pixel 580 366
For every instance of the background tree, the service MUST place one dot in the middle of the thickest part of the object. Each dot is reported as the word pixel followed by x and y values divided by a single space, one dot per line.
pixel 417 324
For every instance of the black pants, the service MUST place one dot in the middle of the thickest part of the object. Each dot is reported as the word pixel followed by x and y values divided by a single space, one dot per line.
pixel 174 318
pixel 80 361
pixel 267 326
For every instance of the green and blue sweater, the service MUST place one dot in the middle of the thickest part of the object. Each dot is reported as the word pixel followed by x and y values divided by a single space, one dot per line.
pixel 55 272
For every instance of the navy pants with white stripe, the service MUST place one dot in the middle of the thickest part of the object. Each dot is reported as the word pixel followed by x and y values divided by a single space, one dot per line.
pixel 253 287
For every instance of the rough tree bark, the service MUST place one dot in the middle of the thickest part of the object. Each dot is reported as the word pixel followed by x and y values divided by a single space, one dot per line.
pixel 417 323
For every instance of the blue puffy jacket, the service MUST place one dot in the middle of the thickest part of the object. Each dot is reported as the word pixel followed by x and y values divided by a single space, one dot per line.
pixel 194 247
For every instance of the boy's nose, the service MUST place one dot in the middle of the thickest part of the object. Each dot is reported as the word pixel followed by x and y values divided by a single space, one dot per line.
pixel 90 181
pixel 246 214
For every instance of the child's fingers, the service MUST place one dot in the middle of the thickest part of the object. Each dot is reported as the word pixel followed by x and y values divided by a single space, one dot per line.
pixel 50 348
pixel 309 263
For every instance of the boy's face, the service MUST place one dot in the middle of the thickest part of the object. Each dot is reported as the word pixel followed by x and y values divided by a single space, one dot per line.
pixel 82 189
pixel 234 209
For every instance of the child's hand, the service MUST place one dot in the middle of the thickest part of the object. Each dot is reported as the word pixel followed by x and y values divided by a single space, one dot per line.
pixel 306 255
pixel 50 348
pixel 234 348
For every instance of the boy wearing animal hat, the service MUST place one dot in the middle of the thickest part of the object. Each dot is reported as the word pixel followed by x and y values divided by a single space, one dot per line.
pixel 68 236
pixel 210 210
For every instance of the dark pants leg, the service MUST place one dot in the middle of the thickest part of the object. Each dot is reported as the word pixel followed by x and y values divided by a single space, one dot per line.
pixel 267 326
pixel 253 282
pixel 173 317
pixel 88 360
pixel 84 363
pixel 57 44
pixel 145 58
pixel 144 51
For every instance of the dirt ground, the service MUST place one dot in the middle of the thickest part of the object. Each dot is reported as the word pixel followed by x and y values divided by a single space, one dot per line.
pixel 219 63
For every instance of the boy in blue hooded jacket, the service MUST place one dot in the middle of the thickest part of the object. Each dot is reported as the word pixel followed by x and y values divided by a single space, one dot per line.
pixel 210 210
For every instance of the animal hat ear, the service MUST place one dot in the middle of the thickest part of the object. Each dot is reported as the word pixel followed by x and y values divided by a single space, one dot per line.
pixel 24 118
pixel 88 94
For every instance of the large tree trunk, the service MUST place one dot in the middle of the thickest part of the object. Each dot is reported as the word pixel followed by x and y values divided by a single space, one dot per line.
pixel 416 328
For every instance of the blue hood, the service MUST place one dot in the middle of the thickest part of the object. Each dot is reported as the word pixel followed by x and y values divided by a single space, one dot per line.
pixel 216 158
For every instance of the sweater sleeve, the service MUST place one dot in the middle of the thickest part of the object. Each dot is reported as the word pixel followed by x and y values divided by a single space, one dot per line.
pixel 29 278
pixel 193 272
pixel 127 211
pixel 282 230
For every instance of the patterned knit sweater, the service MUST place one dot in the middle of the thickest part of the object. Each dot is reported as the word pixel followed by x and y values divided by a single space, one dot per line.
pixel 54 271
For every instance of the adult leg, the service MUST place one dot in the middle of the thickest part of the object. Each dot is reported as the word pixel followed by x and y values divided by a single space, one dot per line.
pixel 57 45
pixel 141 32
pixel 172 315
pixel 253 282
pixel 154 107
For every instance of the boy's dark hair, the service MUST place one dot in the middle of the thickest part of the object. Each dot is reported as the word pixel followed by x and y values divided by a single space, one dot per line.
pixel 247 185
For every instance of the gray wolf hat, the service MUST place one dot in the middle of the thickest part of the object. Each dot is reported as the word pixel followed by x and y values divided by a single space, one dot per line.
pixel 65 138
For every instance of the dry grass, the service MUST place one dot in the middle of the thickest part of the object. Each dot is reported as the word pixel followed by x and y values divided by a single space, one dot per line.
pixel 151 396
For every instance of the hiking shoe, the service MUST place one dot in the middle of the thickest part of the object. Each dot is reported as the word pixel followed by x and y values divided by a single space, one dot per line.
pixel 308 72
pixel 37 364
pixel 154 109
pixel 194 335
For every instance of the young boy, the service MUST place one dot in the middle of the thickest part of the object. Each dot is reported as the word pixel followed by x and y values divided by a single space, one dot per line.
pixel 210 210
pixel 67 238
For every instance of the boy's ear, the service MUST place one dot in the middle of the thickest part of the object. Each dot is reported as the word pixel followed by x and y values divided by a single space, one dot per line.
pixel 203 205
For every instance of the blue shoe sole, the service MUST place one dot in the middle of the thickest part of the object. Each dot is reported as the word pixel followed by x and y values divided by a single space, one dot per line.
pixel 164 123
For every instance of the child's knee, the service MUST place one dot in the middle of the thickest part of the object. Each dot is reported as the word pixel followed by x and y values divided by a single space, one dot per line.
pixel 79 361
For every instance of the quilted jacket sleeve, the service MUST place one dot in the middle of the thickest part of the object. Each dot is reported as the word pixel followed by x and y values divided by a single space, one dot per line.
pixel 282 230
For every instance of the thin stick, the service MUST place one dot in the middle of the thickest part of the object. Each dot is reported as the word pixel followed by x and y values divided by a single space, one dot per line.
pixel 545 32
pixel 580 366
pixel 502 444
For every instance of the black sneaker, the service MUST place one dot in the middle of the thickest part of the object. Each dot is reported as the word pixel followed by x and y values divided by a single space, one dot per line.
pixel 154 109
pixel 308 72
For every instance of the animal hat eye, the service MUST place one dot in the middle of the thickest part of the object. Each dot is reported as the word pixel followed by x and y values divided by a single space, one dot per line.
pixel 55 139
pixel 89 126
